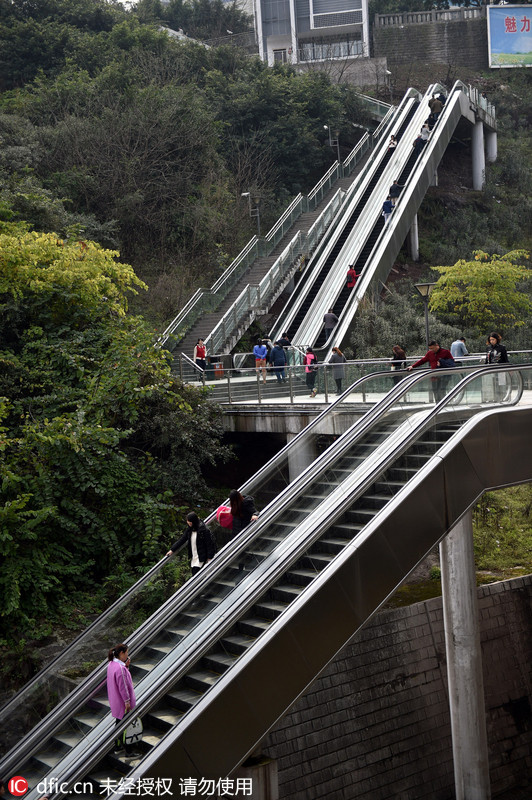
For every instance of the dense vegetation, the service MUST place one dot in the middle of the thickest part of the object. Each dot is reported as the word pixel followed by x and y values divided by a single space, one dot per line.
pixel 144 143
pixel 100 447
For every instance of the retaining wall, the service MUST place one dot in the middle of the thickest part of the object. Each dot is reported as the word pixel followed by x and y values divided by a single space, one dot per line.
pixel 463 43
pixel 376 724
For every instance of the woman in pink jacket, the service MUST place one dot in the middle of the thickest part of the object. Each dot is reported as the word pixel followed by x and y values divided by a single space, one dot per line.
pixel 120 686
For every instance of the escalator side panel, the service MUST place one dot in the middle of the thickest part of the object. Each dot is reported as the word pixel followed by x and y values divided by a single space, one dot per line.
pixel 495 451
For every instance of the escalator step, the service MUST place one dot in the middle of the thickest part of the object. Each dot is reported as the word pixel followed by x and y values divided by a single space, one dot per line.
pixel 152 736
pixel 236 643
pixel 331 545
pixel 50 758
pixel 270 609
pixel 202 679
pixel 286 592
pixel 219 662
pixel 144 664
pixel 302 576
pixel 183 698
pixel 393 486
pixel 87 720
pixel 68 738
pixel 254 625
pixel 166 717
pixel 318 560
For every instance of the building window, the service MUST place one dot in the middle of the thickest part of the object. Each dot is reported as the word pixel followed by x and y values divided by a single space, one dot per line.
pixel 279 57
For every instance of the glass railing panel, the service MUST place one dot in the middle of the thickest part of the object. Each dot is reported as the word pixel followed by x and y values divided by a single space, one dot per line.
pixel 65 674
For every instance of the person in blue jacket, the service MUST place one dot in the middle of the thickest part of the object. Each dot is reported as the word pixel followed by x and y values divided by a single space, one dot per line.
pixel 278 361
pixel 260 352
pixel 387 208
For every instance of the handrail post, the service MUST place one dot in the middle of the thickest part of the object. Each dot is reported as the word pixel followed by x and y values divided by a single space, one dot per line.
pixel 259 392
pixel 229 397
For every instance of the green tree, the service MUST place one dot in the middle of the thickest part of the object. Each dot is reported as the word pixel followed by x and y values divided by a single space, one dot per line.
pixel 100 447
pixel 485 293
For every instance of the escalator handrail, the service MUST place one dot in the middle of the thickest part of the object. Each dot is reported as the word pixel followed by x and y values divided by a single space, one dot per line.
pixel 310 327
pixel 387 230
pixel 357 187
pixel 186 593
pixel 145 630
pixel 304 541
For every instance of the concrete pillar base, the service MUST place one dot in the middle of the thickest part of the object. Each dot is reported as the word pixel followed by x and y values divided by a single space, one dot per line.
pixel 464 663
pixel 300 456
pixel 413 240
pixel 477 155
pixel 491 146
pixel 261 776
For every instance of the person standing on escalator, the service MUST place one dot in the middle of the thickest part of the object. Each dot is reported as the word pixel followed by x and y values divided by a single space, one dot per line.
pixel 330 321
pixel 199 540
pixel 243 511
pixel 120 689
pixel 351 277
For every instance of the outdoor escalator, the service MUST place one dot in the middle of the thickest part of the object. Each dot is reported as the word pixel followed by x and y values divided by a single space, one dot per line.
pixel 317 280
pixel 207 651
pixel 361 263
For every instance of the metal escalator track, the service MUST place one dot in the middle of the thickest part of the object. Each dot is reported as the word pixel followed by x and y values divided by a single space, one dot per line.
pixel 383 243
pixel 264 624
pixel 360 243
pixel 317 280
pixel 321 261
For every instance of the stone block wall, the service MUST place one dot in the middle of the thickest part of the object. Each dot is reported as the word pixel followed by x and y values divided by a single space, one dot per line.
pixel 376 724
pixel 463 43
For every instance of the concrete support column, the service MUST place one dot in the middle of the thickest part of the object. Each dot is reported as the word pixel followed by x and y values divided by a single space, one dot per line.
pixel 300 456
pixel 259 774
pixel 491 146
pixel 413 240
pixel 477 155
pixel 464 663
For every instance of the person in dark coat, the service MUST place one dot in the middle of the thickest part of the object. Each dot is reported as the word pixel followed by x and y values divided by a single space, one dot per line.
pixel 434 356
pixel 387 208
pixel 496 352
pixel 198 538
pixel 278 361
pixel 243 511
pixel 284 341
pixel 398 361
pixel 338 360
pixel 395 191
pixel 330 321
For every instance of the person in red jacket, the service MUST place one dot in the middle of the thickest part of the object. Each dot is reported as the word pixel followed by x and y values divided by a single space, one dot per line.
pixel 436 356
pixel 351 277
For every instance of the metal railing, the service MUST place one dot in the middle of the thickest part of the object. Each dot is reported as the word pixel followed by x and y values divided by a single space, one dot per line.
pixel 206 300
pixel 254 298
pixel 424 17
pixel 230 555
pixel 242 384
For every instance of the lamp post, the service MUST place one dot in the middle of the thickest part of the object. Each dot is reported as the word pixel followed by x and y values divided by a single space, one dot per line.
pixel 424 290
pixel 334 142
pixel 254 211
